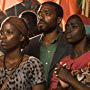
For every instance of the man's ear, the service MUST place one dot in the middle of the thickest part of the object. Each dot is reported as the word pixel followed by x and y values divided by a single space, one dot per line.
pixel 59 20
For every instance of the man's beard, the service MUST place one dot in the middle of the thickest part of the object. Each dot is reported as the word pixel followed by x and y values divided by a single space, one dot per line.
pixel 47 30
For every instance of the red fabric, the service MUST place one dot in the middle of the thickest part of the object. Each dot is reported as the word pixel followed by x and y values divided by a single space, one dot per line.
pixel 5 4
pixel 85 19
pixel 74 64
pixel 78 63
pixel 70 7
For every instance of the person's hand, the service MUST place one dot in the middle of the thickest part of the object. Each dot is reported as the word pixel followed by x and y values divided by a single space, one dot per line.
pixel 63 73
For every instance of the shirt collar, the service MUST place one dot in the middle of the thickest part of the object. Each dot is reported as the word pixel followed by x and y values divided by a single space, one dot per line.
pixel 53 42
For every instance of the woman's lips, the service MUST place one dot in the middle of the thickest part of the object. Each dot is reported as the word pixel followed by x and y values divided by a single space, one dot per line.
pixel 2 43
pixel 68 36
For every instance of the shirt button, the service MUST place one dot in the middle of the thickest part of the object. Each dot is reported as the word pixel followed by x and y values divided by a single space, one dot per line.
pixel 46 63
pixel 48 51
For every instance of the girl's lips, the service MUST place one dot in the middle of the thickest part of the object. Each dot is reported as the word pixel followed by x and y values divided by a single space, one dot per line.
pixel 2 43
pixel 68 36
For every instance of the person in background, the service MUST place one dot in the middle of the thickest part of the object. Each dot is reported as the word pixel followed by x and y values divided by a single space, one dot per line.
pixel 73 71
pixel 52 45
pixel 31 21
pixel 17 70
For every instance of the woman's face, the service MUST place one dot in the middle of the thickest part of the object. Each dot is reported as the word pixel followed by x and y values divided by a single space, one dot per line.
pixel 74 32
pixel 10 37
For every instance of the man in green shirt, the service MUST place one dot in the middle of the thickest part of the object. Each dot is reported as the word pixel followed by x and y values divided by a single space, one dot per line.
pixel 52 45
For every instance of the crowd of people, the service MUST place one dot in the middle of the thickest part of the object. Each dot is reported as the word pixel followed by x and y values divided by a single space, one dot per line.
pixel 37 55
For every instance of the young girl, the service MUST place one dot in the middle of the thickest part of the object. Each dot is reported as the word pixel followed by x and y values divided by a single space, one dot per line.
pixel 73 72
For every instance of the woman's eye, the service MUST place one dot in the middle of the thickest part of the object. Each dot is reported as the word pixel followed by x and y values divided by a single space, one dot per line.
pixel 75 26
pixel 8 32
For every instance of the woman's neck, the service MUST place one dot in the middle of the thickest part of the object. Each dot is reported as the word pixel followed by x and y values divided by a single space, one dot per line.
pixel 13 54
pixel 80 48
pixel 13 58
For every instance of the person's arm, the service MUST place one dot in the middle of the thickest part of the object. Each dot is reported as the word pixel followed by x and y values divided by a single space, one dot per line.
pixel 65 75
pixel 77 85
pixel 64 86
pixel 37 73
pixel 38 87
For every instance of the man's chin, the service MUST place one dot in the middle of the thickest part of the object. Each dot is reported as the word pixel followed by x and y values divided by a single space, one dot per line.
pixel 41 30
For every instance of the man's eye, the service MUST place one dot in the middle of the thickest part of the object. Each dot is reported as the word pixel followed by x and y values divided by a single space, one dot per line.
pixel 47 13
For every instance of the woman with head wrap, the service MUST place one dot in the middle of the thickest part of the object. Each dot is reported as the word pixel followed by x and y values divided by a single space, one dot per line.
pixel 18 71
pixel 73 71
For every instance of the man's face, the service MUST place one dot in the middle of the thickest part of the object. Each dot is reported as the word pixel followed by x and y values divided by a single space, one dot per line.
pixel 46 18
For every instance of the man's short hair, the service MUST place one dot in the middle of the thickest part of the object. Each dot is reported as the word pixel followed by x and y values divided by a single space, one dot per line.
pixel 58 8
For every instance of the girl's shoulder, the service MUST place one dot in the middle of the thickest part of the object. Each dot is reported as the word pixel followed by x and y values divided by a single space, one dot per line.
pixel 30 61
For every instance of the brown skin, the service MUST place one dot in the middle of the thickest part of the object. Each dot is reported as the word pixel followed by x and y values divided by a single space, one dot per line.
pixel 67 79
pixel 11 39
pixel 47 22
pixel 77 37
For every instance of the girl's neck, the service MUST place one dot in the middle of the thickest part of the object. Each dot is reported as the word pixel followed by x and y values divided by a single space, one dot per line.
pixel 13 58
pixel 12 55
pixel 80 48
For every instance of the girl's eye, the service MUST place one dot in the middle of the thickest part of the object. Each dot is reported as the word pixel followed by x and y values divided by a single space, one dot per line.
pixel 8 32
pixel 75 26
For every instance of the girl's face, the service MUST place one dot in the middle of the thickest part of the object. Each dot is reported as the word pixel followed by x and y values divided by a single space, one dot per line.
pixel 74 32
pixel 10 36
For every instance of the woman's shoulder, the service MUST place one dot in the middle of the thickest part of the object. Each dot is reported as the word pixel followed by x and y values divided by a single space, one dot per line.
pixel 30 61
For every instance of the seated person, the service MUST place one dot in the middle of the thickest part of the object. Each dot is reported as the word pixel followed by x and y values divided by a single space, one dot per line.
pixel 17 70
pixel 73 72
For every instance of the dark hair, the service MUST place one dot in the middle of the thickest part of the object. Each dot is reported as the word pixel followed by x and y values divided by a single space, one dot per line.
pixel 58 8
pixel 31 21
pixel 78 19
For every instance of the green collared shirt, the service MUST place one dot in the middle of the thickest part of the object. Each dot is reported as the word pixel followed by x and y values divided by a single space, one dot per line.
pixel 46 54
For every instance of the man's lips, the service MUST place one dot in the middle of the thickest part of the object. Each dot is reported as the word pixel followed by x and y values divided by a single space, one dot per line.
pixel 41 22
